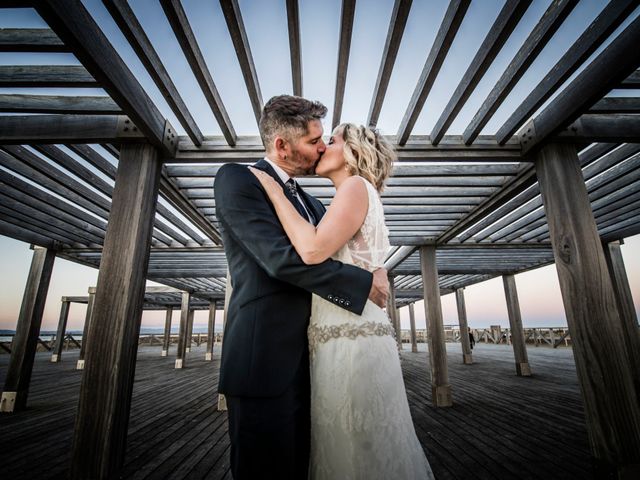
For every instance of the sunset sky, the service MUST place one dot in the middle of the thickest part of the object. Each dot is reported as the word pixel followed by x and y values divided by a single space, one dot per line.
pixel 265 22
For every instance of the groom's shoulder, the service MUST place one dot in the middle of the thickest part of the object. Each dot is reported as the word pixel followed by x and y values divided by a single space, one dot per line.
pixel 231 173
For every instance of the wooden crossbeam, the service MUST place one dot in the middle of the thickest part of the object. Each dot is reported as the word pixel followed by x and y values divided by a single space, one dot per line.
pixel 46 76
pixel 133 31
pixel 444 39
pixel 295 51
pixel 552 19
pixel 15 103
pixel 632 81
pixel 187 40
pixel 619 127
pixel 616 105
pixel 605 23
pixel 30 40
pixel 398 21
pixel 344 47
pixel 501 29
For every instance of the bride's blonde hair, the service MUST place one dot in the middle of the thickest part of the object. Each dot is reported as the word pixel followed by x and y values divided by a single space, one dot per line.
pixel 366 153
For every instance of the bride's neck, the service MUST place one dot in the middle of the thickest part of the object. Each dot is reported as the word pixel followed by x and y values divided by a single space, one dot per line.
pixel 338 177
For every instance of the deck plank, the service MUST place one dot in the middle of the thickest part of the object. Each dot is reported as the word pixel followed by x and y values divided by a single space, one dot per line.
pixel 500 426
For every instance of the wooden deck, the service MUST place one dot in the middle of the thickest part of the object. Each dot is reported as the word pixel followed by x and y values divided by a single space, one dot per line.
pixel 501 426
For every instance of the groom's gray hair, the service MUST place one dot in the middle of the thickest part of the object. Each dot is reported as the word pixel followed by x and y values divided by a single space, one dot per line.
pixel 288 116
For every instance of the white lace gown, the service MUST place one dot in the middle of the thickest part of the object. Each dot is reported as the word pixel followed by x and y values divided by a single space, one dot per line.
pixel 361 427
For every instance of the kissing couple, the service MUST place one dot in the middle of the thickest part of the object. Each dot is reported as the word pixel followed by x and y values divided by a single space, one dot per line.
pixel 310 367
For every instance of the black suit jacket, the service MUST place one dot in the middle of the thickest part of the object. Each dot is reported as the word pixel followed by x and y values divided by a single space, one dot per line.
pixel 268 313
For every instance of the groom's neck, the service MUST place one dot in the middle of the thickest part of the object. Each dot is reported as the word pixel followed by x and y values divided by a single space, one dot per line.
pixel 283 164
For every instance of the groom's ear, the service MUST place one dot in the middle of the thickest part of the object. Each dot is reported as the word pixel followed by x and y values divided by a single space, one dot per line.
pixel 280 144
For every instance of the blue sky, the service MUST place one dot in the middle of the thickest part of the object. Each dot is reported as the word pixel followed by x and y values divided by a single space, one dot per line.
pixel 265 21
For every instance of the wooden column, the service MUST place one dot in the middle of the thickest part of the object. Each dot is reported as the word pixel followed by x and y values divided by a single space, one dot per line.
pixel 626 308
pixel 56 355
pixel 440 387
pixel 100 435
pixel 605 371
pixel 211 331
pixel 467 357
pixel 25 341
pixel 166 342
pixel 393 312
pixel 85 332
pixel 228 290
pixel 515 325
pixel 412 321
pixel 182 334
pixel 189 331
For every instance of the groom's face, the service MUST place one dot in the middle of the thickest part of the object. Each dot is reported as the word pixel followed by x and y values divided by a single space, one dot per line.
pixel 307 149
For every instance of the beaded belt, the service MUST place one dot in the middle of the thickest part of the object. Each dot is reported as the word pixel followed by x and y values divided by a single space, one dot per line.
pixel 322 334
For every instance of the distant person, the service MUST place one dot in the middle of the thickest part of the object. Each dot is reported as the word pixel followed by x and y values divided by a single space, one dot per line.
pixel 264 371
pixel 472 340
pixel 361 425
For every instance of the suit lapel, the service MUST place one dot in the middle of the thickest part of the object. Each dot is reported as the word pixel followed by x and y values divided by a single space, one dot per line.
pixel 265 166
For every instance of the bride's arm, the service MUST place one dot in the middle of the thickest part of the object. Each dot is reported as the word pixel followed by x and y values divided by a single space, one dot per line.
pixel 342 220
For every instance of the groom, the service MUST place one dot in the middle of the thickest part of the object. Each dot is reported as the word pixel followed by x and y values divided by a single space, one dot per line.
pixel 264 371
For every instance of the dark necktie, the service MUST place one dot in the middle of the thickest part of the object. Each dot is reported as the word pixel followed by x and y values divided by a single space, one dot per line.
pixel 292 186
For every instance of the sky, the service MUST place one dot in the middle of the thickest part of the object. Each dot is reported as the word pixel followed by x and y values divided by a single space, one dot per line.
pixel 265 22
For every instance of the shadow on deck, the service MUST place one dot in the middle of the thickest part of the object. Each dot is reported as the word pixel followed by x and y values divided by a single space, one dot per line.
pixel 501 426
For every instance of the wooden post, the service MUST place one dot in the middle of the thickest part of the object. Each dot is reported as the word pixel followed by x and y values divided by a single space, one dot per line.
pixel 412 321
pixel 626 308
pixel 62 328
pixel 85 332
pixel 102 419
pixel 190 330
pixel 392 312
pixel 211 330
pixel 440 387
pixel 515 325
pixel 228 290
pixel 605 371
pixel 182 335
pixel 25 341
pixel 467 357
pixel 167 332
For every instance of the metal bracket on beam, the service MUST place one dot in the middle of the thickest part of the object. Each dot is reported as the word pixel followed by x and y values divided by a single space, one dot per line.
pixel 527 135
pixel 126 129
pixel 170 139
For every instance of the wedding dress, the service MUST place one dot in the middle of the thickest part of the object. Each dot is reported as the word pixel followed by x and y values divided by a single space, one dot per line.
pixel 361 427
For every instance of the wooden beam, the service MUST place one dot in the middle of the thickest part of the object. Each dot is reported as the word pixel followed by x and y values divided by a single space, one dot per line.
pixel 439 50
pixel 467 357
pixel 166 342
pixel 99 442
pixel 85 332
pixel 392 312
pixel 605 372
pixel 501 29
pixel 228 291
pixel 135 34
pixel 440 387
pixel 184 326
pixel 515 323
pixel 56 355
pixel 75 26
pixel 187 40
pixel 39 76
pixel 26 235
pixel 189 331
pixel 397 23
pixel 233 17
pixel 546 27
pixel 344 48
pixel 616 105
pixel 211 331
pixel 30 40
pixel 25 341
pixel 632 81
pixel 295 50
pixel 412 323
pixel 21 129
pixel 590 128
pixel 12 103
pixel 613 14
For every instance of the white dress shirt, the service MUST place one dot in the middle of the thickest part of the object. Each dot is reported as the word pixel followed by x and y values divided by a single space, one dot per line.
pixel 284 176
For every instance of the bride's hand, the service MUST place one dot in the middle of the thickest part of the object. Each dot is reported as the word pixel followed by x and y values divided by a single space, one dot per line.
pixel 268 183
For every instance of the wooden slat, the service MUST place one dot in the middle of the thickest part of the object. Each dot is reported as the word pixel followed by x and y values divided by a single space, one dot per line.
pixel 605 23
pixel 45 76
pixel 446 34
pixel 233 17
pixel 619 127
pixel 30 40
pixel 397 23
pixel 133 31
pixel 501 29
pixel 295 50
pixel 344 48
pixel 187 40
pixel 616 105
pixel 612 65
pixel 14 103
pixel 632 81
pixel 77 29
pixel 546 27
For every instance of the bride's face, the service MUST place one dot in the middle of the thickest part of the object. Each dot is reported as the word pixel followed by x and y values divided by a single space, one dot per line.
pixel 333 158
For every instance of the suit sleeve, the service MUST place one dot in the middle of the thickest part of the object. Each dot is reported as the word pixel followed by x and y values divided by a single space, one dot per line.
pixel 248 217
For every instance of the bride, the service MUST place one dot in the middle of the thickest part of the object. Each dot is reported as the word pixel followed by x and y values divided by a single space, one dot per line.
pixel 361 426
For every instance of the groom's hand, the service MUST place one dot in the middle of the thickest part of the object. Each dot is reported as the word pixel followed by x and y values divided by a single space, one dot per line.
pixel 380 288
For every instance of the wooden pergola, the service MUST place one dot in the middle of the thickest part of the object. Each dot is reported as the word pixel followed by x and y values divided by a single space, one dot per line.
pixel 559 183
